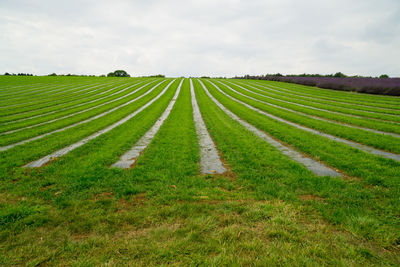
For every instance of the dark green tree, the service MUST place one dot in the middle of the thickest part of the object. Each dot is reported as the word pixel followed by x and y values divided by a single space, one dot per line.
pixel 384 76
pixel 339 75
pixel 118 73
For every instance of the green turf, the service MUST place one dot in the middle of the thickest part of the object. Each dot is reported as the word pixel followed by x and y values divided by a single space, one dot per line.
pixel 363 121
pixel 384 142
pixel 283 90
pixel 267 210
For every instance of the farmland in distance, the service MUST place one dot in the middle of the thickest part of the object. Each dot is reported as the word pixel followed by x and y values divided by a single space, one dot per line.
pixel 157 171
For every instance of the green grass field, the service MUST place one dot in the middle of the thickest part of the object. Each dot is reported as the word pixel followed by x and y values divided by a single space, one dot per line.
pixel 268 208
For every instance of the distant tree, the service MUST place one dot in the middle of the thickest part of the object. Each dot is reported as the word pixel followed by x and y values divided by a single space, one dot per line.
pixel 384 76
pixel 53 74
pixel 102 75
pixel 121 73
pixel 339 75
pixel 118 73
pixel 7 73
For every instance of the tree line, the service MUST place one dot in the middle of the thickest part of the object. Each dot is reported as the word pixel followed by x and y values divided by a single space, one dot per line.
pixel 18 74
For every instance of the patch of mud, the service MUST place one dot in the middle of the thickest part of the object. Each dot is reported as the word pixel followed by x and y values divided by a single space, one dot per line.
pixel 210 162
pixel 128 159
pixel 312 165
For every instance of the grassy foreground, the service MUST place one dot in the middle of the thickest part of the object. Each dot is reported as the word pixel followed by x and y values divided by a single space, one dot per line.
pixel 265 211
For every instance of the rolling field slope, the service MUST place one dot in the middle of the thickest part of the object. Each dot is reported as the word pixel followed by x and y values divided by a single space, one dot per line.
pixel 157 171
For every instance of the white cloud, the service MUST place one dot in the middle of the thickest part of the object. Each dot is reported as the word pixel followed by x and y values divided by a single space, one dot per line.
pixel 221 38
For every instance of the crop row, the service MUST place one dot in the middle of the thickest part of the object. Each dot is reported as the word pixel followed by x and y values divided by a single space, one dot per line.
pixel 387 142
pixel 19 138
pixel 69 111
pixel 331 94
pixel 393 116
pixel 263 149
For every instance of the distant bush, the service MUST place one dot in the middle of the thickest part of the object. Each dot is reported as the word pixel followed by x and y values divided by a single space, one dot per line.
pixel 118 73
pixel 339 75
pixel 19 74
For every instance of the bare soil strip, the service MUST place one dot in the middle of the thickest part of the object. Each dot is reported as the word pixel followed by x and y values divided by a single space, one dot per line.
pixel 305 114
pixel 35 105
pixel 22 87
pixel 55 90
pixel 82 111
pixel 54 111
pixel 361 147
pixel 43 90
pixel 316 98
pixel 210 162
pixel 38 100
pixel 63 151
pixel 333 95
pixel 326 110
pixel 314 166
pixel 129 158
pixel 4 148
pixel 39 88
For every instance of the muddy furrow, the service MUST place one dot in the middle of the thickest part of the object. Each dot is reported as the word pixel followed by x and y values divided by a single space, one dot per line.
pixel 64 151
pixel 361 147
pixel 314 166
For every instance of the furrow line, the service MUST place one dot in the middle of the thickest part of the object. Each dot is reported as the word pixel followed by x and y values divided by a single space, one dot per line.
pixel 23 90
pixel 56 89
pixel 37 87
pixel 353 109
pixel 36 102
pixel 57 104
pixel 315 99
pixel 210 162
pixel 320 109
pixel 75 106
pixel 7 147
pixel 335 94
pixel 82 111
pixel 41 96
pixel 307 115
pixel 129 158
pixel 31 90
pixel 361 147
pixel 23 85
pixel 314 166
pixel 40 162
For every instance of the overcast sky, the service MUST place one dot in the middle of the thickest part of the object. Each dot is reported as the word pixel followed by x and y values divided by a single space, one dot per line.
pixel 202 37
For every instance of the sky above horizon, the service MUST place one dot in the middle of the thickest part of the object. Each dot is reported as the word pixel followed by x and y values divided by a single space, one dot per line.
pixel 195 38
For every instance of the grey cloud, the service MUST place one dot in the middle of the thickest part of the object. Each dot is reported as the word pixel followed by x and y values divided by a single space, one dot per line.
pixel 226 37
